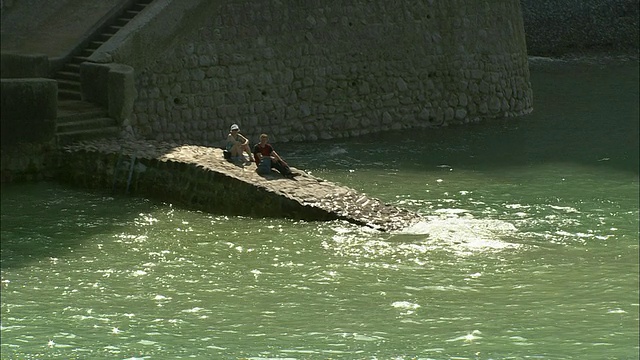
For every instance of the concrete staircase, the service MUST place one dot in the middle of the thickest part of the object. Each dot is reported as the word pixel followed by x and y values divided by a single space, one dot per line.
pixel 77 119
pixel 68 76
pixel 80 120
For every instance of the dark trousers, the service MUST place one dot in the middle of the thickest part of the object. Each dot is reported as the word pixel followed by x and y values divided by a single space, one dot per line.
pixel 282 167
pixel 266 164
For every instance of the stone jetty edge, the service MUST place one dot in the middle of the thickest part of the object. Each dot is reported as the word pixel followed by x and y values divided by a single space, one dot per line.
pixel 198 177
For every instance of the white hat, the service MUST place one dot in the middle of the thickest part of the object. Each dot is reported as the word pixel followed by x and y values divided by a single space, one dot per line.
pixel 235 127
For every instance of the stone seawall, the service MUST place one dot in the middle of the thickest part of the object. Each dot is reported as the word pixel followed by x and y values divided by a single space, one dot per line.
pixel 302 71
pixel 28 108
pixel 198 177
pixel 28 145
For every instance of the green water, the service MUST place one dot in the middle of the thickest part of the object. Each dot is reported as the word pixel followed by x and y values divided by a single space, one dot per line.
pixel 530 251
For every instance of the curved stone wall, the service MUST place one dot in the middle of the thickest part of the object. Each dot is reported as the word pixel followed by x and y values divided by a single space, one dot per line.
pixel 320 70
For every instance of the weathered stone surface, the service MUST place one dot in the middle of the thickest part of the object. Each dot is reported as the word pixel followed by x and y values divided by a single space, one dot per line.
pixel 29 110
pixel 200 177
pixel 375 66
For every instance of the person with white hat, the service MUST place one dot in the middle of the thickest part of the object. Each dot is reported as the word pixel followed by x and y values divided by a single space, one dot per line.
pixel 237 144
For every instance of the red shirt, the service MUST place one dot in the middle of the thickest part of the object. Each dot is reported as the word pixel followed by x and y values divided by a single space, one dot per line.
pixel 265 150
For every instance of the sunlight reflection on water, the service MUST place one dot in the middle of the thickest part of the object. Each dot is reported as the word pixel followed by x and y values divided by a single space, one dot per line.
pixel 526 251
pixel 459 234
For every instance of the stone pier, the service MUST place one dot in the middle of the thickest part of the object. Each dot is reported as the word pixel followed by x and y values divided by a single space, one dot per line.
pixel 200 178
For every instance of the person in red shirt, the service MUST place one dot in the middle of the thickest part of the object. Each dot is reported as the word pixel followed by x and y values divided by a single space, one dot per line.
pixel 267 158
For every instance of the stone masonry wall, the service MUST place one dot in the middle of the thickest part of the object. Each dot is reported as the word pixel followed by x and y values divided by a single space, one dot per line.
pixel 28 113
pixel 321 70
pixel 557 27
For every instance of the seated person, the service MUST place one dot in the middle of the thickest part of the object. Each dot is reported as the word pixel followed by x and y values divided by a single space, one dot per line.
pixel 267 158
pixel 237 144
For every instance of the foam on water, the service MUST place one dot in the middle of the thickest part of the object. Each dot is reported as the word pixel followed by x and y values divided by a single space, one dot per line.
pixel 452 230
pixel 465 233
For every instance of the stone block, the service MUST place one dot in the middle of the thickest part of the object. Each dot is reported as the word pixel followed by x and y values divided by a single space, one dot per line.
pixel 24 65
pixel 28 110
pixel 121 91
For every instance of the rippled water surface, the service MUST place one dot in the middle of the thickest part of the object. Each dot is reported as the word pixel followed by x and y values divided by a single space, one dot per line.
pixel 530 251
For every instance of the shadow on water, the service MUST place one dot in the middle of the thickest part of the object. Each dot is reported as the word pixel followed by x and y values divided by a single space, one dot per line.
pixel 583 114
pixel 64 220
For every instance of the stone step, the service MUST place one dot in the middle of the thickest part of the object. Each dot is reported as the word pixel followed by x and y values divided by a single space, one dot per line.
pixel 121 21
pixel 68 75
pixel 77 106
pixel 69 137
pixel 129 14
pixel 82 120
pixel 71 67
pixel 84 124
pixel 78 59
pixel 64 94
pixel 68 84
pixel 65 117
pixel 95 44
pixel 113 29
pixel 86 52
pixel 78 110
pixel 81 116
pixel 140 6
pixel 104 36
